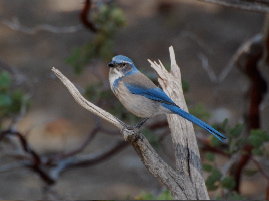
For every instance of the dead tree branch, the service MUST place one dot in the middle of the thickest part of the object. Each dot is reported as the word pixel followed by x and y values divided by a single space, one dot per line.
pixel 184 139
pixel 16 25
pixel 253 5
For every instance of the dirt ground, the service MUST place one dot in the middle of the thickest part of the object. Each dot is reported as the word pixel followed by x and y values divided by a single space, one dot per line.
pixel 56 123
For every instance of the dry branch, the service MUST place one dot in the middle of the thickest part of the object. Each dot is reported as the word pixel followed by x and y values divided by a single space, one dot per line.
pixel 184 140
pixel 253 5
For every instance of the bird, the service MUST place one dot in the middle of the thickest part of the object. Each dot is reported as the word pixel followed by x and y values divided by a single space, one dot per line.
pixel 139 95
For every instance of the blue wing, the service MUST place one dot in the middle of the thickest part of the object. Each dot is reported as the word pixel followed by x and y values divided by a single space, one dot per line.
pixel 157 94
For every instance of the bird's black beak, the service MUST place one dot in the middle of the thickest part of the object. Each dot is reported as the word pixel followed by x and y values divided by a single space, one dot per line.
pixel 111 65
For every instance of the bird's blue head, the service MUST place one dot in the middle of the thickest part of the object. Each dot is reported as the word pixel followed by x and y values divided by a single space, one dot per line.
pixel 122 64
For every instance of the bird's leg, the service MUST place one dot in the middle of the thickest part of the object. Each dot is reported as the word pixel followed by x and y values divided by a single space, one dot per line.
pixel 139 124
pixel 136 126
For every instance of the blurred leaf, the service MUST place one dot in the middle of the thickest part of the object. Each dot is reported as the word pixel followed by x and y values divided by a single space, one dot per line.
pixel 257 138
pixel 210 156
pixel 17 100
pixel 5 100
pixel 214 142
pixel 228 182
pixel 5 81
pixel 237 130
pixel 211 181
pixel 261 133
pixel 118 17
pixel 207 167
pixel 257 151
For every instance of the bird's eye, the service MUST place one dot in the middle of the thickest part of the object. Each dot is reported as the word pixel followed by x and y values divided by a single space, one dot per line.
pixel 123 64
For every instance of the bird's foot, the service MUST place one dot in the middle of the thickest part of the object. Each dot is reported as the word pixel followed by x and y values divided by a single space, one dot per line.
pixel 139 124
pixel 133 130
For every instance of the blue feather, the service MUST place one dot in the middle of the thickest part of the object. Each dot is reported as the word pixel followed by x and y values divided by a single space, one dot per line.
pixel 157 94
pixel 195 120
pixel 121 58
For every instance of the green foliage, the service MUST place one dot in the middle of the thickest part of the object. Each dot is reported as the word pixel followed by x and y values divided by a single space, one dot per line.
pixel 5 81
pixel 214 142
pixel 228 182
pixel 257 138
pixel 107 19
pixel 236 143
pixel 165 195
pixel 210 156
pixel 5 101
pixel 237 130
pixel 11 100
pixel 207 167
pixel 213 180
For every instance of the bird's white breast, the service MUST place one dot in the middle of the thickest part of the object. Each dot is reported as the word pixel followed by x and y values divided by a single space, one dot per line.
pixel 114 74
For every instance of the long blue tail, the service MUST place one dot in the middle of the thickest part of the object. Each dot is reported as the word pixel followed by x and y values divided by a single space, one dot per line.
pixel 196 121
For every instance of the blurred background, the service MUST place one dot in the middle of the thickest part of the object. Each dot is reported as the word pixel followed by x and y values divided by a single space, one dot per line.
pixel 80 39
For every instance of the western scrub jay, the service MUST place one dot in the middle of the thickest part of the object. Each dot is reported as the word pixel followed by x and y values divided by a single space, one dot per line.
pixel 142 97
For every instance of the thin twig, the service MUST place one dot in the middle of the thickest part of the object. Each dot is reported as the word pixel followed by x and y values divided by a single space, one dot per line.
pixel 15 25
pixel 258 165
pixel 85 143
pixel 253 5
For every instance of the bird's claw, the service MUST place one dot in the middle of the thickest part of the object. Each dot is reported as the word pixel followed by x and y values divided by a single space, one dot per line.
pixel 139 124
